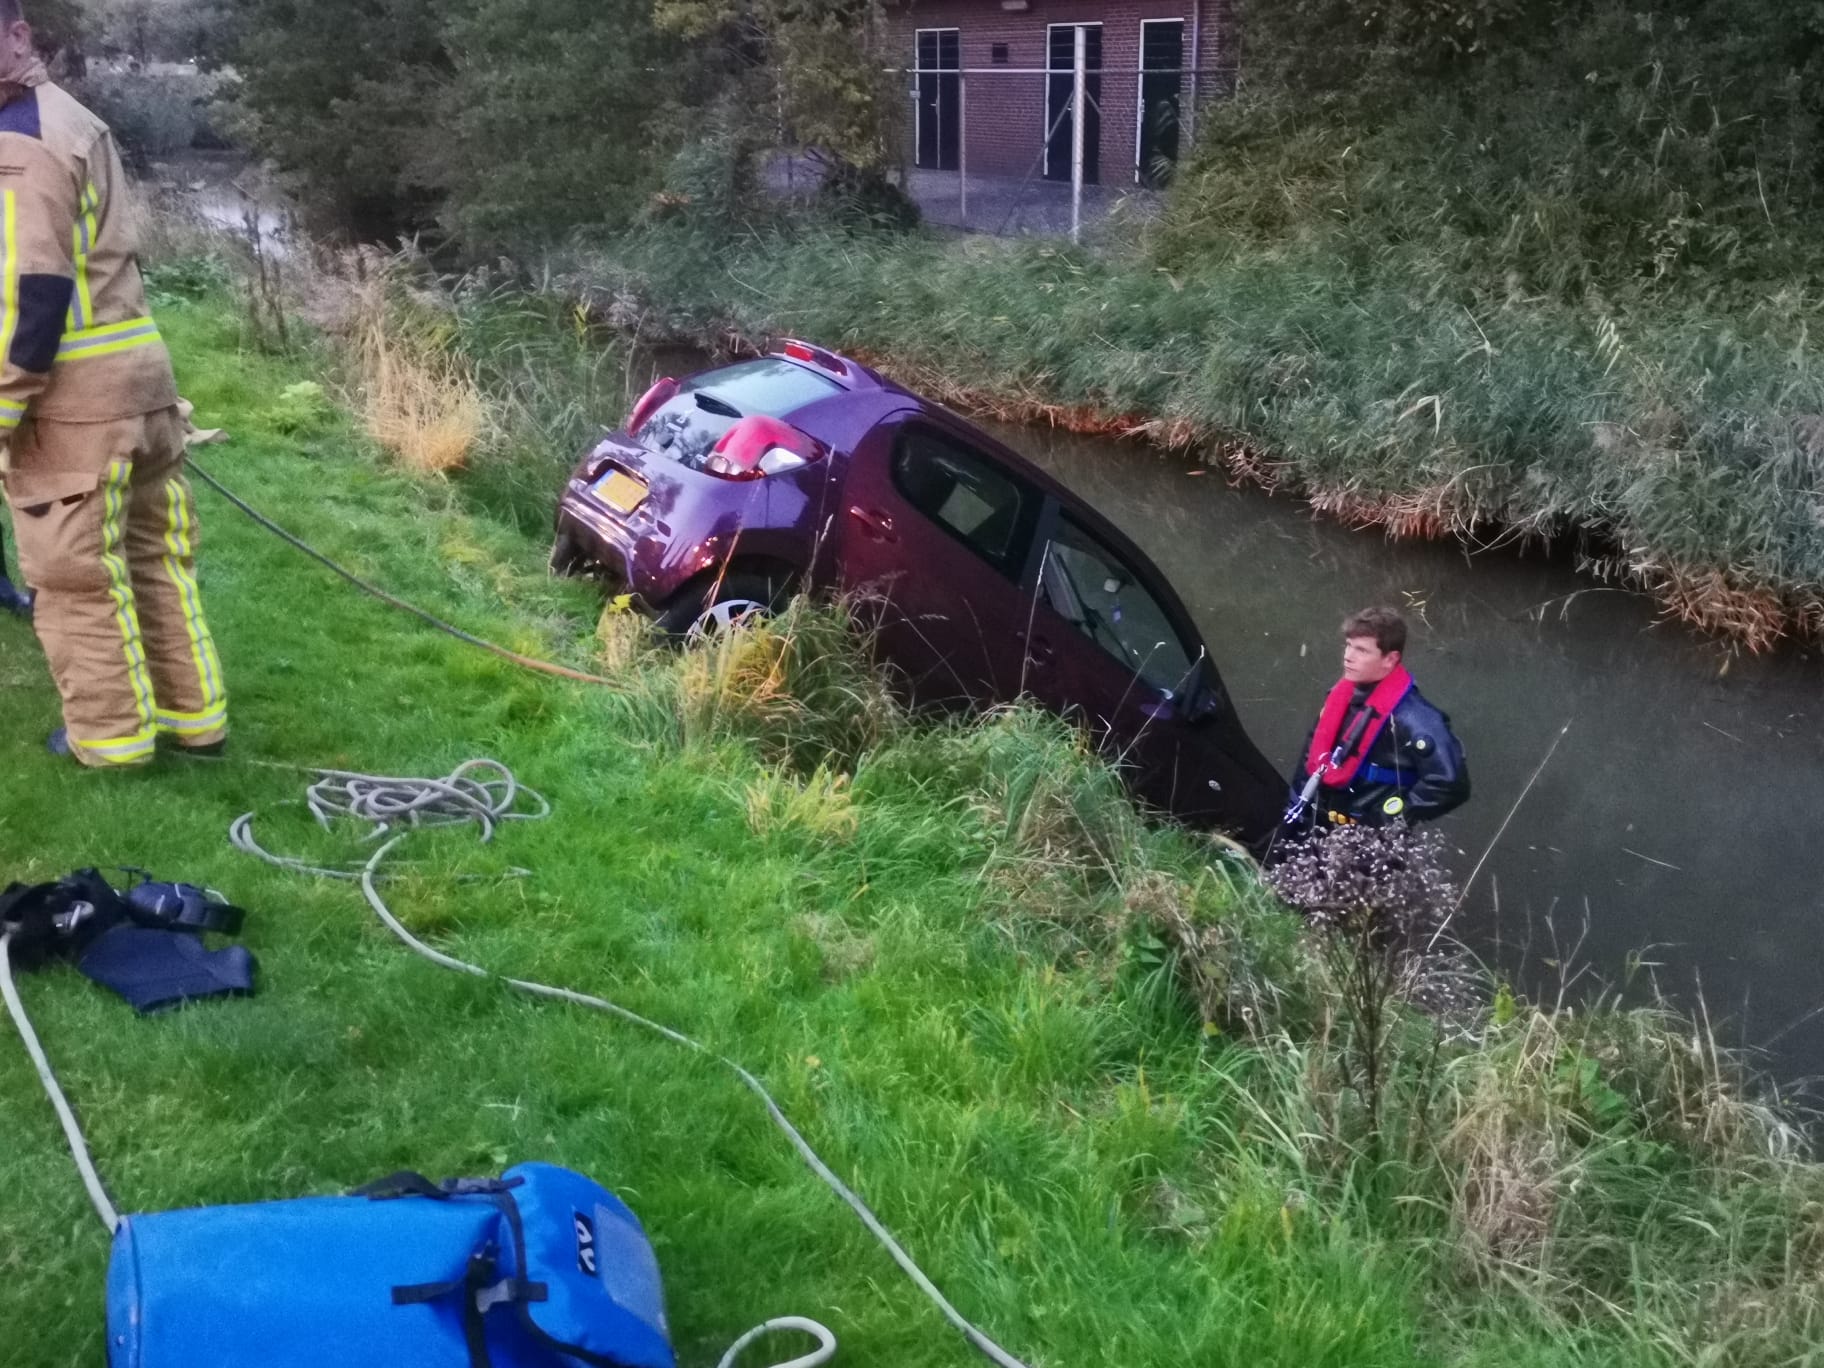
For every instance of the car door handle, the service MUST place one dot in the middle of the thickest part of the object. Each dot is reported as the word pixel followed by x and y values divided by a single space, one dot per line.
pixel 1038 649
pixel 875 524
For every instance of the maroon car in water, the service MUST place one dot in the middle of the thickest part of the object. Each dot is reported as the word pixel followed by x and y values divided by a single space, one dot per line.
pixel 731 490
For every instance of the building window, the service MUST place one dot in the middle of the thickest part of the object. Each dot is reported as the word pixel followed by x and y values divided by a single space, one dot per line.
pixel 998 54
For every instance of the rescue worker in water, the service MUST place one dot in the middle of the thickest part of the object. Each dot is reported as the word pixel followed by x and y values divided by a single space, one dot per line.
pixel 1398 761
pixel 92 437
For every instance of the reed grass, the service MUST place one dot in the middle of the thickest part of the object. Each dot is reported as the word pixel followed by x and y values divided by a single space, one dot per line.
pixel 419 400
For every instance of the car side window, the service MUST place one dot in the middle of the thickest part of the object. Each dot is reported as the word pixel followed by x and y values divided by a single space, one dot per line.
pixel 1095 590
pixel 965 493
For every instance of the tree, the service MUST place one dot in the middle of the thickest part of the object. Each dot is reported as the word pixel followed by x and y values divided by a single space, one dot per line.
pixel 550 115
pixel 152 30
pixel 344 94
pixel 812 64
pixel 57 25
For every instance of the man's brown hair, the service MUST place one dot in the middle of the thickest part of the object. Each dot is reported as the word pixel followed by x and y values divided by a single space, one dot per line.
pixel 11 11
pixel 1385 625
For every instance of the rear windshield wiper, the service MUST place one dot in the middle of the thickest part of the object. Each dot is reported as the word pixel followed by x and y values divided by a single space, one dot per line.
pixel 710 404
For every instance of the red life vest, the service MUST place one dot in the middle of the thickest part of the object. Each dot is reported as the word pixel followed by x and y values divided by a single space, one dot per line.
pixel 1380 704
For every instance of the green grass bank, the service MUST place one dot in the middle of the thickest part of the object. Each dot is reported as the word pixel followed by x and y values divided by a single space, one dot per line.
pixel 1107 1093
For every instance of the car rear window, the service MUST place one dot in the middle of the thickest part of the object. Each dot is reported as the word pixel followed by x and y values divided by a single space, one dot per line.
pixel 689 424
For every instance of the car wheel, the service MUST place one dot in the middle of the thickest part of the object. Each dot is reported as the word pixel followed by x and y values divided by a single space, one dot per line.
pixel 566 554
pixel 722 605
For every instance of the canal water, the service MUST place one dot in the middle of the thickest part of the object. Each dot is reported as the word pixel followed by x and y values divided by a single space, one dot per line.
pixel 1676 835
pixel 224 191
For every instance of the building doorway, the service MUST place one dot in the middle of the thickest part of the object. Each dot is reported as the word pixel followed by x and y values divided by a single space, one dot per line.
pixel 938 108
pixel 1161 100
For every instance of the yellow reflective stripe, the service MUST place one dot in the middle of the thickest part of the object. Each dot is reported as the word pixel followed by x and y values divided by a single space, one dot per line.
pixel 126 750
pixel 180 550
pixel 82 243
pixel 9 268
pixel 90 353
pixel 106 340
pixel 87 232
pixel 12 412
pixel 195 724
pixel 120 589
pixel 110 329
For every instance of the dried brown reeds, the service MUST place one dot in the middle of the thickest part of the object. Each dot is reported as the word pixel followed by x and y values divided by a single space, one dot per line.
pixel 623 638
pixel 1722 602
pixel 796 684
pixel 418 395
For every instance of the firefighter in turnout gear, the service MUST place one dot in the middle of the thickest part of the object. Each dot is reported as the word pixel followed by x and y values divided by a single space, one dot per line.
pixel 92 437
pixel 1380 754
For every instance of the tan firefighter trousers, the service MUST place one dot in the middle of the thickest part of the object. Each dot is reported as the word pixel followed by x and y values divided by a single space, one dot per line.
pixel 114 566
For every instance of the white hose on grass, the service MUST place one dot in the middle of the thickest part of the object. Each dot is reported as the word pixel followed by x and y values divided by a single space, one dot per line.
pixel 485 792
pixel 72 1131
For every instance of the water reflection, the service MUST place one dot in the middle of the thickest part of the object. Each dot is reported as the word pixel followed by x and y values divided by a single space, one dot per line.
pixel 228 193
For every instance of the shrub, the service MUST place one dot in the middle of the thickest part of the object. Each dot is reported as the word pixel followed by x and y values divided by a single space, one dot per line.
pixel 152 116
pixel 573 78
pixel 796 686
pixel 352 120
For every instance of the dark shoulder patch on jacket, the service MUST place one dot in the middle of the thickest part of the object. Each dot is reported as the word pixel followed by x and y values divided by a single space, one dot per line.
pixel 21 116
pixel 44 303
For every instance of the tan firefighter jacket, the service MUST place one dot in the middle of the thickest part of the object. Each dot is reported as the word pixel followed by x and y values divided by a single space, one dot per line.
pixel 77 342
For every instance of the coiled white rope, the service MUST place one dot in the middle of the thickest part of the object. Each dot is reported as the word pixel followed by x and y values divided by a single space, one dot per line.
pixel 485 792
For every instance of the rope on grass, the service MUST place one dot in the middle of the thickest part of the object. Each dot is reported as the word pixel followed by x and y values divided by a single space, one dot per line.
pixel 72 1129
pixel 525 662
pixel 486 793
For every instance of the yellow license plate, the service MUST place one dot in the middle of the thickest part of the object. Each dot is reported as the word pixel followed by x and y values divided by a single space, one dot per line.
pixel 620 491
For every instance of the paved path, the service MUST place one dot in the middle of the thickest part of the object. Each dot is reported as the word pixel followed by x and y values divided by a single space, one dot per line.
pixel 1001 205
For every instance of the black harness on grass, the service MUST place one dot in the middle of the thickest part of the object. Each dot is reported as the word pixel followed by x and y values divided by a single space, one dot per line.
pixel 144 944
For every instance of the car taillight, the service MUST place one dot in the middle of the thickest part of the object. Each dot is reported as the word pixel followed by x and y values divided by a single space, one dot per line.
pixel 649 403
pixel 758 446
pixel 815 356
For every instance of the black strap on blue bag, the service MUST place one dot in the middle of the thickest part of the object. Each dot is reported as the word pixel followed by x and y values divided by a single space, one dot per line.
pixel 181 907
pixel 480 1291
pixel 480 1287
pixel 407 1183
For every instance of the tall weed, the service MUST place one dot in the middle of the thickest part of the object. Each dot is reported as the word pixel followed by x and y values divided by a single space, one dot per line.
pixel 419 397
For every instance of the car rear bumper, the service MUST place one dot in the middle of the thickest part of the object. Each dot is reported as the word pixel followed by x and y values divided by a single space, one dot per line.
pixel 632 561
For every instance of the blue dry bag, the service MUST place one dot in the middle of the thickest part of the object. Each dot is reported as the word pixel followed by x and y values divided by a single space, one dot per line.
pixel 541 1268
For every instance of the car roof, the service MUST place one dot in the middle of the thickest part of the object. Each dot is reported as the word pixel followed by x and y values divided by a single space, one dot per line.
pixel 846 371
pixel 882 397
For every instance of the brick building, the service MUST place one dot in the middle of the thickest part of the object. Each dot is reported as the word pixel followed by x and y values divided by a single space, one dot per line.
pixel 988 83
